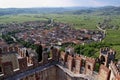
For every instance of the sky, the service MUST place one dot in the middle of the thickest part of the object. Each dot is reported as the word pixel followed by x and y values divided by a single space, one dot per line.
pixel 57 3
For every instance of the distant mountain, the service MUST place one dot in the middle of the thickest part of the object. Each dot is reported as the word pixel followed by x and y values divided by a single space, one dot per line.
pixel 11 11
pixel 109 10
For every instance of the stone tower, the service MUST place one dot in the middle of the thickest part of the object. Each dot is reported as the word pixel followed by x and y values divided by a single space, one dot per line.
pixel 106 56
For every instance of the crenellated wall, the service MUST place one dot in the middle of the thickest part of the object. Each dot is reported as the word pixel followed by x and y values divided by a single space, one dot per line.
pixel 74 63
pixel 78 63
pixel 61 66
pixel 104 73
pixel 45 74
pixel 90 66
pixel 115 74
pixel 106 56
pixel 23 62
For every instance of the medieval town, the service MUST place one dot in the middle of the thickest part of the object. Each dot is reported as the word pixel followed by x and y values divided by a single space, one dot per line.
pixel 44 50
pixel 59 39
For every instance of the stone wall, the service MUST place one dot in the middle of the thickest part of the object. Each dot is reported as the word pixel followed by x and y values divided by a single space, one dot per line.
pixel 90 66
pixel 10 57
pixel 45 74
pixel 106 56
pixel 61 75
pixel 115 74
pixel 64 67
pixel 104 73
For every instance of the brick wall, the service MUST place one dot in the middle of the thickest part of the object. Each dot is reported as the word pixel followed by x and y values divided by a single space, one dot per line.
pixel 46 74
pixel 22 63
pixel 78 62
pixel 89 66
pixel 69 62
pixel 104 73
pixel 7 68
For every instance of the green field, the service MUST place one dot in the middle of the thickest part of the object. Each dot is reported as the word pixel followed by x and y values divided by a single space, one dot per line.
pixel 77 21
pixel 113 36
pixel 19 18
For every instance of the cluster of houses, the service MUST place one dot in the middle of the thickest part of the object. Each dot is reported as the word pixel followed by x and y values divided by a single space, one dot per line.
pixel 56 34
pixel 14 27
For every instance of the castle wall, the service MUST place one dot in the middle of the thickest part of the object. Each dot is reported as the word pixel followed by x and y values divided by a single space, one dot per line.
pixel 7 68
pixel 117 77
pixel 90 65
pixel 106 56
pixel 45 74
pixel 115 74
pixel 61 75
pixel 112 75
pixel 61 66
pixel 104 73
pixel 78 63
pixel 69 62
pixel 12 58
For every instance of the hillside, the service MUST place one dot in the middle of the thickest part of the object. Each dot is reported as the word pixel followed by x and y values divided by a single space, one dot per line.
pixel 108 10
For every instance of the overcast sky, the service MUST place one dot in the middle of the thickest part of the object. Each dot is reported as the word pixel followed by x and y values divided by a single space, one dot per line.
pixel 57 3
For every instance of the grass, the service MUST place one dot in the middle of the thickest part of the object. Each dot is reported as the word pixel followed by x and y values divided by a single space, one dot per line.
pixel 19 18
pixel 117 49
pixel 113 36
pixel 78 21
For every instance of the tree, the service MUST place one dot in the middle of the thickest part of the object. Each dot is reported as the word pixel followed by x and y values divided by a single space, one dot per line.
pixel 27 54
pixel 39 51
pixel 89 51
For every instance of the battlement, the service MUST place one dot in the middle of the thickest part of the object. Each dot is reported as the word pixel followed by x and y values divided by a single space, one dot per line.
pixel 23 62
pixel 115 73
pixel 104 73
pixel 107 51
pixel 9 49
pixel 106 56
pixel 91 60
pixel 114 68
pixel 74 63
